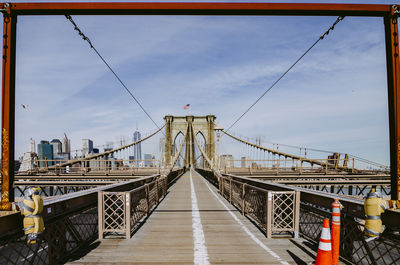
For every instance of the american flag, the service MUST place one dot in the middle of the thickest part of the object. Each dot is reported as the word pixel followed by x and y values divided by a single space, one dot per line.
pixel 186 106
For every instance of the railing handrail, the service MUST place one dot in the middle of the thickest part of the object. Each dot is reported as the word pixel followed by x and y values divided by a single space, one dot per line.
pixel 352 207
pixel 62 205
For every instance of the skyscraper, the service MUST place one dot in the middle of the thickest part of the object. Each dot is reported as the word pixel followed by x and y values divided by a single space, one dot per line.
pixel 138 147
pixel 66 144
pixel 32 146
pixel 45 153
pixel 87 146
pixel 57 147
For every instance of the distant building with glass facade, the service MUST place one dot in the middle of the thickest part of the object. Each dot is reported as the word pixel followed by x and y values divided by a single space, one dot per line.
pixel 45 154
pixel 138 147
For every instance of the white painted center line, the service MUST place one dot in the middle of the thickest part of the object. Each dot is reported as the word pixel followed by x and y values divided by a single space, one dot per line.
pixel 261 244
pixel 199 242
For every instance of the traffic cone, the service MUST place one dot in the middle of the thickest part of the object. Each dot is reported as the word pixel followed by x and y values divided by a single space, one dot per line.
pixel 324 255
pixel 336 207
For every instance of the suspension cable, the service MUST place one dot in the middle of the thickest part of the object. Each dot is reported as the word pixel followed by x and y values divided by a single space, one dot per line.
pixel 340 18
pixel 85 38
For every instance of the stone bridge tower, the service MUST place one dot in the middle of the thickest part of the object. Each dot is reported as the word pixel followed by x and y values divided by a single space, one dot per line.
pixel 176 125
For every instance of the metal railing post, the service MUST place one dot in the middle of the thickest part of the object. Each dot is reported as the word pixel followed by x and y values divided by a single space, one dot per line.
pixel 243 198
pixel 296 211
pixel 100 212
pixel 148 199
pixel 157 191
pixel 127 215
pixel 230 190
pixel 268 212
pixel 222 186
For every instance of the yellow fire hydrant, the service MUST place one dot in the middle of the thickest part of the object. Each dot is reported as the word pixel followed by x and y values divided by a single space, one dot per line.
pixel 32 208
pixel 374 206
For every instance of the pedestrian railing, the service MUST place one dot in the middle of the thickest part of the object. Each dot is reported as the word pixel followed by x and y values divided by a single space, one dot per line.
pixel 71 224
pixel 121 212
pixel 315 206
pixel 275 212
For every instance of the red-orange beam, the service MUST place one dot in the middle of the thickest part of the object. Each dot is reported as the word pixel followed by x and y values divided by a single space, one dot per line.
pixel 99 8
pixel 393 79
pixel 8 109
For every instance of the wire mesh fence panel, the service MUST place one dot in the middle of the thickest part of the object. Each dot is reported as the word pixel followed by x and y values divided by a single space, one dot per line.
pixel 152 189
pixel 237 194
pixel 139 207
pixel 60 239
pixel 354 246
pixel 255 205
pixel 226 188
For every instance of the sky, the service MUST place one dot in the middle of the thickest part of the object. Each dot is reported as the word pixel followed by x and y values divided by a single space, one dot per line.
pixel 335 98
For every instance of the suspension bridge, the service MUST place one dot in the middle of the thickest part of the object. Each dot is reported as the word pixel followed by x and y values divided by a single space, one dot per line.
pixel 194 205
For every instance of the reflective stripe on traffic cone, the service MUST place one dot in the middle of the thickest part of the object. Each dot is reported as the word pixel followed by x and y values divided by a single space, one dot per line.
pixel 336 207
pixel 324 255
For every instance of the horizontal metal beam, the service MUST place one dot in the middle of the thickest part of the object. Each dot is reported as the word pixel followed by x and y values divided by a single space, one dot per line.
pixel 308 176
pixel 364 182
pixel 289 9
pixel 68 183
pixel 77 177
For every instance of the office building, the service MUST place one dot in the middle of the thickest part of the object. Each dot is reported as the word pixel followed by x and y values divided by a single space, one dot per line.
pixel 57 147
pixel 45 154
pixel 138 147
pixel 66 144
pixel 87 147
pixel 32 146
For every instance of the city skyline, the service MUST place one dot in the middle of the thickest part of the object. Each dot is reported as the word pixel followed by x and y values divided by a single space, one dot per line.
pixel 88 147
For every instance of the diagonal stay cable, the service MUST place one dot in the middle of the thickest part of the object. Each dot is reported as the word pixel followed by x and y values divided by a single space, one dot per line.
pixel 109 67
pixel 340 18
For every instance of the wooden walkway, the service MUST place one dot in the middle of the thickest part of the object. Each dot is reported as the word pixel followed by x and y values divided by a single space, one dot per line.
pixel 195 225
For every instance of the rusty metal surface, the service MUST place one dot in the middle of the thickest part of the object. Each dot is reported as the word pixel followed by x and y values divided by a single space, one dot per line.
pixel 200 9
pixel 8 109
pixel 393 79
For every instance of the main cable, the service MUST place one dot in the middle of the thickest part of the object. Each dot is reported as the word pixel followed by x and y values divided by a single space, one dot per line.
pixel 340 18
pixel 85 38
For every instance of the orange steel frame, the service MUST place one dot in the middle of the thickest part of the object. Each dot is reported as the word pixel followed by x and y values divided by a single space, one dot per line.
pixel 11 11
